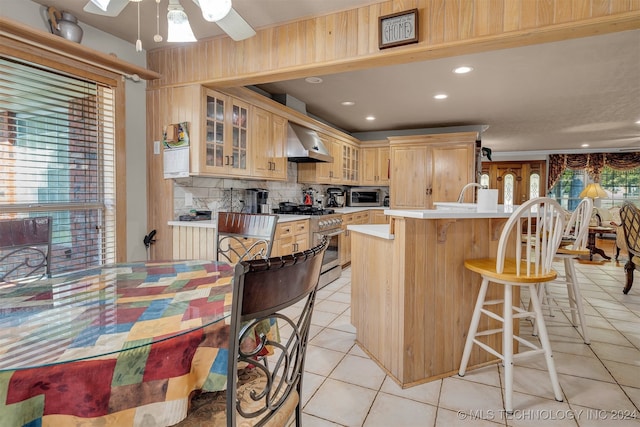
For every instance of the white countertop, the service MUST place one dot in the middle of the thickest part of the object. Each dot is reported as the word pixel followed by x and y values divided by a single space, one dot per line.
pixel 377 230
pixel 502 212
pixel 213 223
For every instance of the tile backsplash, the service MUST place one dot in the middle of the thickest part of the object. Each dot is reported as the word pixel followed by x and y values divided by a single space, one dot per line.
pixel 227 194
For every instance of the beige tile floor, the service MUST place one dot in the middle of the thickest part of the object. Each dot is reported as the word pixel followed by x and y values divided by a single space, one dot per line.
pixel 600 382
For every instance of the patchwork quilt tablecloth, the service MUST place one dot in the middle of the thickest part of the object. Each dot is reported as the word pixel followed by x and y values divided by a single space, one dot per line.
pixel 121 345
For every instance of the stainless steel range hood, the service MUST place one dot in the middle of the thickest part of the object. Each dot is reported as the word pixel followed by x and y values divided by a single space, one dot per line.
pixel 305 145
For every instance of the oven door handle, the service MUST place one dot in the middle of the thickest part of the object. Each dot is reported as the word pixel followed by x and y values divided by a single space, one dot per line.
pixel 335 233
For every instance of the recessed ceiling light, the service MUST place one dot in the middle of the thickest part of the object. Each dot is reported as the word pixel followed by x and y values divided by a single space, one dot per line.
pixel 347 103
pixel 463 70
pixel 314 80
pixel 584 145
pixel 441 96
pixel 638 122
pixel 370 118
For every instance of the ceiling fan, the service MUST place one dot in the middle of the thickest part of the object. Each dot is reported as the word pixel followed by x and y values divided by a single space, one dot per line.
pixel 218 11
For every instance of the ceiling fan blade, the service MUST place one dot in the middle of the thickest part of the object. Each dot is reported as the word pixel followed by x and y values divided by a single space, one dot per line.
pixel 114 8
pixel 235 26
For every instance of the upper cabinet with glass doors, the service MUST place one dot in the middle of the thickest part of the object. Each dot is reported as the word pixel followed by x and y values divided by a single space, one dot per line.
pixel 226 142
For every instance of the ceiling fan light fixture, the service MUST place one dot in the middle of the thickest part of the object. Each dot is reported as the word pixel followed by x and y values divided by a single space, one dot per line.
pixel 214 10
pixel 178 21
pixel 102 4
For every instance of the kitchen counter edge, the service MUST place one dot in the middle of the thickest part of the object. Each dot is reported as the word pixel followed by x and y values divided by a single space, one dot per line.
pixel 212 223
pixel 501 212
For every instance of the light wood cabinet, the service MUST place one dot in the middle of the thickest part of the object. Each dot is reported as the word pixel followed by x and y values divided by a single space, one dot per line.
pixel 323 172
pixel 378 217
pixel 375 166
pixel 345 169
pixel 362 217
pixel 430 168
pixel 224 150
pixel 290 237
pixel 268 145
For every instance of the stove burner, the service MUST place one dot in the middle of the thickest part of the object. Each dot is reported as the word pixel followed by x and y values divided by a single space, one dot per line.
pixel 304 210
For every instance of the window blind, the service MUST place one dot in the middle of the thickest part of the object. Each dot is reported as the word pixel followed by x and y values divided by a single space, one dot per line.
pixel 57 139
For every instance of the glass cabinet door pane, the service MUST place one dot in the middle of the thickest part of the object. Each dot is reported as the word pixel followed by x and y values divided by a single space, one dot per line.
pixel 235 139
pixel 214 132
pixel 219 154
pixel 220 110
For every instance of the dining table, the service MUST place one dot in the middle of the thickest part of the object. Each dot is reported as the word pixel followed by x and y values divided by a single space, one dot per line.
pixel 117 345
pixel 591 241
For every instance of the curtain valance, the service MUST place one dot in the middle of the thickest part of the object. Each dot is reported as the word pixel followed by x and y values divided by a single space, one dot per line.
pixel 591 162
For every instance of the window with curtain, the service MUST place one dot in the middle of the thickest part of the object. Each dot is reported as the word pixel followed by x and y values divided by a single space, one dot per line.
pixel 57 159
pixel 620 185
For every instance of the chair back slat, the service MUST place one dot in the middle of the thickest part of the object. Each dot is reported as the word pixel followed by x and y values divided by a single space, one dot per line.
pixel 538 224
pixel 25 249
pixel 280 288
pixel 243 236
pixel 577 228
pixel 630 216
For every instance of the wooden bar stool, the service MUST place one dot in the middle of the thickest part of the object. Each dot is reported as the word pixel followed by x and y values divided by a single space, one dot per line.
pixel 541 220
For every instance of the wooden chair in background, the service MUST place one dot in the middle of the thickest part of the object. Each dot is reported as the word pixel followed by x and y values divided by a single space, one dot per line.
pixel 25 249
pixel 261 393
pixel 630 216
pixel 243 236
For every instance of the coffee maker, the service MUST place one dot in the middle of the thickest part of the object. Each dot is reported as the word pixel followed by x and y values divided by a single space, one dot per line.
pixel 336 197
pixel 256 200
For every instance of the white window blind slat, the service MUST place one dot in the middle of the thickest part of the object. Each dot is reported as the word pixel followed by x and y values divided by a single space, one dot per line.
pixel 57 158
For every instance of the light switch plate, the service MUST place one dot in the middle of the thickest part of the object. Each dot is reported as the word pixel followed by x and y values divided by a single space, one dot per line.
pixel 156 147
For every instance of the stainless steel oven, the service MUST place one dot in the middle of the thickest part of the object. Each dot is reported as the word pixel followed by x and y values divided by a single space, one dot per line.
pixel 331 227
pixel 322 222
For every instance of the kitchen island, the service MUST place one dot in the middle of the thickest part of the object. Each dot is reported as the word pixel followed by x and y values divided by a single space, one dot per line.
pixel 411 296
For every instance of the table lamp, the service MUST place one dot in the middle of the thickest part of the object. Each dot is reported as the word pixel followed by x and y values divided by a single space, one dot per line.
pixel 594 191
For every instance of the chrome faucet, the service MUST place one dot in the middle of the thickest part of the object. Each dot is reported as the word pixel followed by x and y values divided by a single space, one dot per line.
pixel 466 187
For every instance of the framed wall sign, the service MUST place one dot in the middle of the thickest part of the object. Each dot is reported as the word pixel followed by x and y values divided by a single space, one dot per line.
pixel 398 29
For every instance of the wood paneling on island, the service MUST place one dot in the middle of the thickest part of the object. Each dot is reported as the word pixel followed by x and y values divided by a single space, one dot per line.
pixel 348 40
pixel 412 299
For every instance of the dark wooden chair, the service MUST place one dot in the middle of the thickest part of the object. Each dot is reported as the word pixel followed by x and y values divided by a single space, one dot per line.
pixel 630 216
pixel 25 249
pixel 261 393
pixel 243 236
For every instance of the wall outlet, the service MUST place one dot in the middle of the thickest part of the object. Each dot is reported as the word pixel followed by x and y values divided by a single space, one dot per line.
pixel 188 199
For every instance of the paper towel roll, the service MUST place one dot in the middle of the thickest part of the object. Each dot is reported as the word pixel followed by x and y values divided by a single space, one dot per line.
pixel 487 200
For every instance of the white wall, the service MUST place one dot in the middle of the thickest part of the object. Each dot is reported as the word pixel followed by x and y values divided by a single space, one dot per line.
pixel 34 15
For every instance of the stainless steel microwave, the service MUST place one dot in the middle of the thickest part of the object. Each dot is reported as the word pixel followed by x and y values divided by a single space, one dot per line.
pixel 363 196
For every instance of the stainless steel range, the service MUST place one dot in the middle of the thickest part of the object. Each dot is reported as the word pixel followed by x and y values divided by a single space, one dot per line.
pixel 322 222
